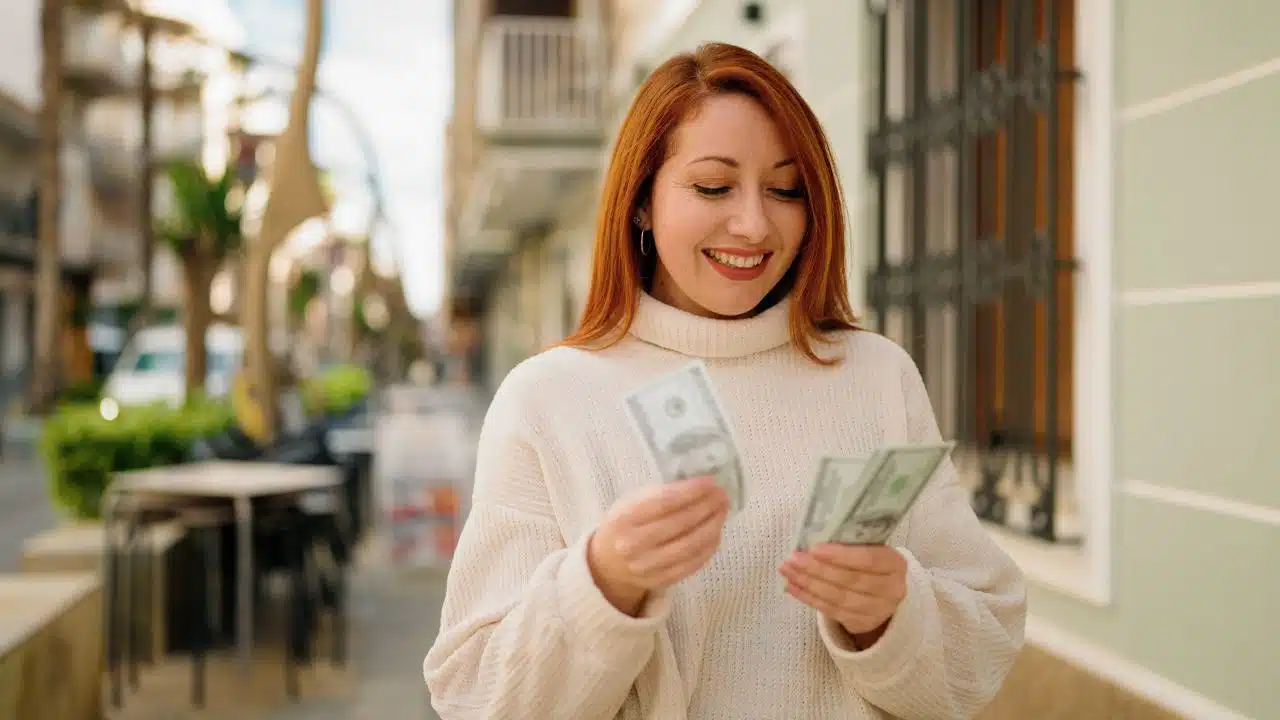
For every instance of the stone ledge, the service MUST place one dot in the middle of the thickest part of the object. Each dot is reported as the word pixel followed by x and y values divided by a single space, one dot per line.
pixel 51 646
pixel 78 547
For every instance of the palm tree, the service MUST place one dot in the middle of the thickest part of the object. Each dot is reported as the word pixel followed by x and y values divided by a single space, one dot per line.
pixel 203 231
pixel 44 376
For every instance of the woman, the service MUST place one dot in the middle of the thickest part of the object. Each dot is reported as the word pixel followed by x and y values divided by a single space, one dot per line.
pixel 583 587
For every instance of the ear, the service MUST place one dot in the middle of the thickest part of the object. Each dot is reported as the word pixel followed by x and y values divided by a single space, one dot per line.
pixel 641 217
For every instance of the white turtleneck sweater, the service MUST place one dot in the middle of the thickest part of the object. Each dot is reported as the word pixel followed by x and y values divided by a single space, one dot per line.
pixel 525 633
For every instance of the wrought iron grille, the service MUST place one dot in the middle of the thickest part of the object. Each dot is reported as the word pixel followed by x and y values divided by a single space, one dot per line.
pixel 972 224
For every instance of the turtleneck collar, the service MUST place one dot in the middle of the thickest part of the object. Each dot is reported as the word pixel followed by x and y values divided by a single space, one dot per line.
pixel 665 326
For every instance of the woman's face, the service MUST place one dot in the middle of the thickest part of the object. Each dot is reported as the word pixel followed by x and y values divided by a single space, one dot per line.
pixel 727 212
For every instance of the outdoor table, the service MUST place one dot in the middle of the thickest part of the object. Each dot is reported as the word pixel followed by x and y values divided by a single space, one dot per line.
pixel 240 483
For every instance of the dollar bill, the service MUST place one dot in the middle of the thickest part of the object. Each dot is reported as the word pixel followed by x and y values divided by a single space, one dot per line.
pixel 891 481
pixel 687 431
pixel 832 482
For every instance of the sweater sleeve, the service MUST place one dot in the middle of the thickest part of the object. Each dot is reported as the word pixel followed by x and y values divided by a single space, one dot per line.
pixel 524 631
pixel 955 636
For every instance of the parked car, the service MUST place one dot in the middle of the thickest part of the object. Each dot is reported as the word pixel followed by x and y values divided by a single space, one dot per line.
pixel 152 367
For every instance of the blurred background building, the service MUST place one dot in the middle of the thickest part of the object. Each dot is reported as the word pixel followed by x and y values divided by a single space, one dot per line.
pixel 1059 207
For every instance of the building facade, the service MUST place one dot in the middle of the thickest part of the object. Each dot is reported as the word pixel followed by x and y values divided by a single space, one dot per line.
pixel 102 215
pixel 525 145
pixel 1059 207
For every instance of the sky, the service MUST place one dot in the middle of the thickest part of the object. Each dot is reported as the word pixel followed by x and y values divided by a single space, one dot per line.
pixel 390 62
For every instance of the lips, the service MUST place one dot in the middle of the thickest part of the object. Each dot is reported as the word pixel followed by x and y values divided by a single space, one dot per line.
pixel 737 264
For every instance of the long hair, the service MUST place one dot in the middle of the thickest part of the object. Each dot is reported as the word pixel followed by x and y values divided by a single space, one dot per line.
pixel 816 278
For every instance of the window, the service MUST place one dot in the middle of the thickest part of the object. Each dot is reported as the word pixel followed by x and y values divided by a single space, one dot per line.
pixel 971 158
pixel 159 362
pixel 217 363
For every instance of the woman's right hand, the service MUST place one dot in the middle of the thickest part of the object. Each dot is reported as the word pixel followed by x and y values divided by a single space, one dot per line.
pixel 656 538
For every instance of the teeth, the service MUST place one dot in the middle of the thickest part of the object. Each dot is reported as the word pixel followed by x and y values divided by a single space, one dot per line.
pixel 739 261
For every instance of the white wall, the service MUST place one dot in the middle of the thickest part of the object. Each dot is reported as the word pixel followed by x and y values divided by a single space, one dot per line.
pixel 20 50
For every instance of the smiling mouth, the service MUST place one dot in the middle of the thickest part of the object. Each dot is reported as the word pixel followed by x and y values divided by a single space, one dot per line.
pixel 745 262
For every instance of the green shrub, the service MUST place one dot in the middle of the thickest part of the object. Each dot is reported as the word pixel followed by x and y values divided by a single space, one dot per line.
pixel 82 449
pixel 336 390
pixel 84 391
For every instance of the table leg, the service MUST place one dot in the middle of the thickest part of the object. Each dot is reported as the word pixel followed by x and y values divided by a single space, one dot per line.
pixel 244 582
pixel 110 601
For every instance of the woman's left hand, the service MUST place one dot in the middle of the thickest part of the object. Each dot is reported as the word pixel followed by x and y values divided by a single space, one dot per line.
pixel 858 586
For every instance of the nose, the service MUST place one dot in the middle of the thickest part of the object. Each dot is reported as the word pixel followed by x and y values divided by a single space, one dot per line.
pixel 750 220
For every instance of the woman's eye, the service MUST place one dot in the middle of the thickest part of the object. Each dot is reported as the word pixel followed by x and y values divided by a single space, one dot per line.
pixel 789 193
pixel 711 191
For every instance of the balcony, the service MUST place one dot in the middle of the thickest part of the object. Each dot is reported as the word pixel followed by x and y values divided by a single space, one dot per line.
pixel 94 57
pixel 538 132
pixel 539 81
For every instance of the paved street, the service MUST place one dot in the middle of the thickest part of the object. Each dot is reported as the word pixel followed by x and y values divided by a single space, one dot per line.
pixel 394 621
pixel 24 507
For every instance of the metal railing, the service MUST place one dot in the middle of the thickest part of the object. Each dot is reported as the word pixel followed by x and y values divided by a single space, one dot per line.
pixel 974 264
pixel 539 76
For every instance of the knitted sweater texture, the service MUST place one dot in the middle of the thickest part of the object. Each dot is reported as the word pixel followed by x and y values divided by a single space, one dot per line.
pixel 525 633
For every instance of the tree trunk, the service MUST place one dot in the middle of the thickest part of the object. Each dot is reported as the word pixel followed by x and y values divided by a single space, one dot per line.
pixel 294 197
pixel 146 231
pixel 198 268
pixel 44 378
pixel 257 351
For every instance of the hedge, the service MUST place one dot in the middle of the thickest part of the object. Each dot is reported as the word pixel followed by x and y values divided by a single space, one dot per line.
pixel 82 449
pixel 337 390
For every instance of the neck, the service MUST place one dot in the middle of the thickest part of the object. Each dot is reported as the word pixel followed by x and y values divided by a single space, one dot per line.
pixel 684 332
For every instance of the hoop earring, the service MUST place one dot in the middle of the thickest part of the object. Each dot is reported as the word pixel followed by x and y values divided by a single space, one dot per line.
pixel 644 250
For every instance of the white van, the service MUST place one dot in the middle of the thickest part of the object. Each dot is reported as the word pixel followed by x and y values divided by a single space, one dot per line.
pixel 152 367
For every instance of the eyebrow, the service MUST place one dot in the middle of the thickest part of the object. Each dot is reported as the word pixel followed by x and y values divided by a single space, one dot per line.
pixel 734 163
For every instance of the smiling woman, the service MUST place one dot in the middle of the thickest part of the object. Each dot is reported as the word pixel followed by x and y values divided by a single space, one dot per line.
pixel 721 243
pixel 725 170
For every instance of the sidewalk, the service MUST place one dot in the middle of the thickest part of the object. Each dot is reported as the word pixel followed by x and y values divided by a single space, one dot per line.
pixel 393 619
pixel 24 505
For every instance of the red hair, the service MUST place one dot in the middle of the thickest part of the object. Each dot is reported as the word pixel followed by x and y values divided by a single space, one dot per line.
pixel 816 279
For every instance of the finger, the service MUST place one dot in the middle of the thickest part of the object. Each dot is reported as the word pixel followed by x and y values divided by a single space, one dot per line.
pixel 696 546
pixel 852 622
pixel 673 574
pixel 668 528
pixel 699 541
pixel 822 569
pixel 845 617
pixel 874 559
pixel 664 499
pixel 865 583
pixel 850 599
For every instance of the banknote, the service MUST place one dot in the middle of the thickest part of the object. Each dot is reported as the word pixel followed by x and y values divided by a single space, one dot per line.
pixel 832 482
pixel 891 481
pixel 687 431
